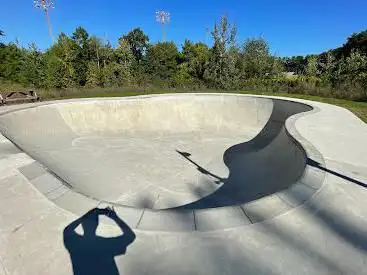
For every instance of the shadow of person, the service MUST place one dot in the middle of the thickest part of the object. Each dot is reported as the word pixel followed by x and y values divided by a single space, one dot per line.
pixel 92 254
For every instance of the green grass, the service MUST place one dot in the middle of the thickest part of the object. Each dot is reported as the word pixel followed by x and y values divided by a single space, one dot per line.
pixel 358 108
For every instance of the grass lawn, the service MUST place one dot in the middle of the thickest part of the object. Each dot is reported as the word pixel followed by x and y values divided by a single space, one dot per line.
pixel 358 108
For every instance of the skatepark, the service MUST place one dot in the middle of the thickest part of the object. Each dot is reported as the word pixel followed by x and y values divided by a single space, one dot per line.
pixel 206 184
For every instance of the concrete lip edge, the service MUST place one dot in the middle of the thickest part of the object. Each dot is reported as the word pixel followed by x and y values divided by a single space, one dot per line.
pixel 63 190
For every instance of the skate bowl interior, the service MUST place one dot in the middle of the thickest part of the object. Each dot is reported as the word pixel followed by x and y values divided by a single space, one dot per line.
pixel 176 152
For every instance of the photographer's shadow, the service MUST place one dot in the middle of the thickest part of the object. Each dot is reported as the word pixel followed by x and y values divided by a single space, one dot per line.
pixel 92 254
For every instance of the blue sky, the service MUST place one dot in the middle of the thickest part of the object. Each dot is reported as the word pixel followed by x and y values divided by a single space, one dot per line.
pixel 291 27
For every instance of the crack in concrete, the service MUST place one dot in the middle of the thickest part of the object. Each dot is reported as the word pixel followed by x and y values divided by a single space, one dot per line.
pixel 195 225
pixel 141 217
pixel 244 212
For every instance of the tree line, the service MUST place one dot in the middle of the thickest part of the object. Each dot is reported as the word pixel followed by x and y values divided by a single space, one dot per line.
pixel 82 60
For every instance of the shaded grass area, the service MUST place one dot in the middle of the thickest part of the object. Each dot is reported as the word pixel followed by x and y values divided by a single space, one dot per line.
pixel 358 108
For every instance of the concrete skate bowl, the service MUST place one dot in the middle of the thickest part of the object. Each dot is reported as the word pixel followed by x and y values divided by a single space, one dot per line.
pixel 170 162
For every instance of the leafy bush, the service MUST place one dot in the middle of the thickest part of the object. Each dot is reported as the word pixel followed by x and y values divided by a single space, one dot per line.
pixel 81 60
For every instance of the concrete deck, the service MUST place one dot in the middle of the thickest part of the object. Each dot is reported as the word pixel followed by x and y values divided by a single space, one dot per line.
pixel 313 222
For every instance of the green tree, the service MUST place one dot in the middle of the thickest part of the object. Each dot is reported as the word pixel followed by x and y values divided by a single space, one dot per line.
pixel 56 72
pixel 257 61
pixel 123 53
pixel 138 42
pixel 352 77
pixel 197 57
pixel 95 51
pixel 110 67
pixel 162 60
pixel 107 53
pixel 61 59
pixel 329 66
pixel 124 60
pixel 182 77
pixel 34 67
pixel 12 63
pixel 356 42
pixel 94 71
pixel 80 49
pixel 312 65
pixel 80 37
pixel 95 76
pixel 222 69
pixel 296 64
pixel 276 66
pixel 355 67
pixel 79 60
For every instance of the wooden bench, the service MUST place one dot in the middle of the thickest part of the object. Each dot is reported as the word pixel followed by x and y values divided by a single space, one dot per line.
pixel 13 97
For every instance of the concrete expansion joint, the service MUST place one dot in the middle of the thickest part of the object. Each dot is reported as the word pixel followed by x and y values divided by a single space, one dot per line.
pixel 244 212
pixel 194 216
pixel 285 201
pixel 140 218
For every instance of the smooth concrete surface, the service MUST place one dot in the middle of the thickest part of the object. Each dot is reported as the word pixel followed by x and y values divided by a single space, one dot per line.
pixel 317 225
pixel 195 156
pixel 183 151
pixel 132 144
